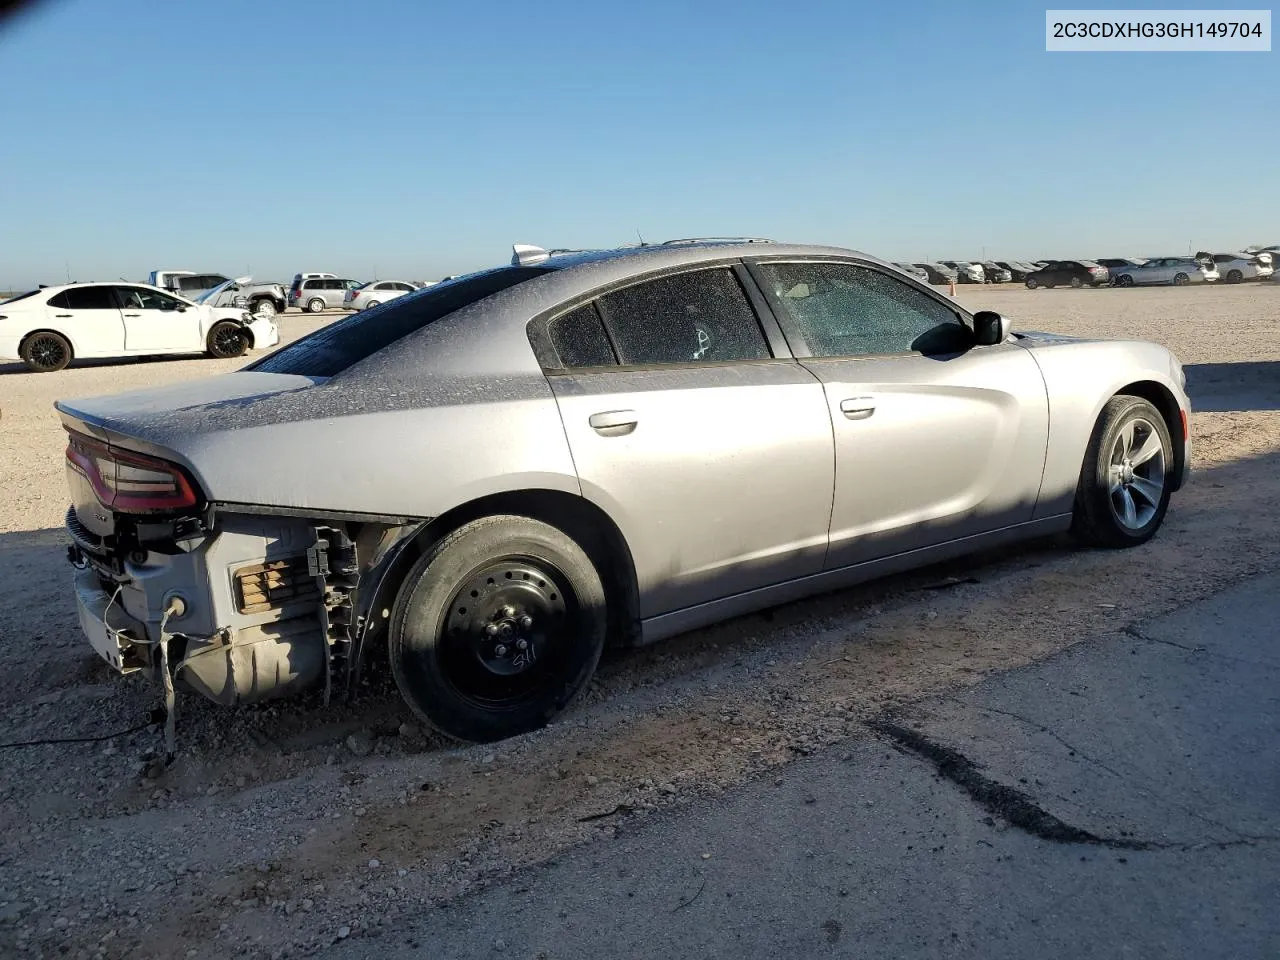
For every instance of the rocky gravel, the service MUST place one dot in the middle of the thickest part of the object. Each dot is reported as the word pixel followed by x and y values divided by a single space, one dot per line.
pixel 289 829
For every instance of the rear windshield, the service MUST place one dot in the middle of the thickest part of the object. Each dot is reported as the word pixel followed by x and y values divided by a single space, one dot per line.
pixel 345 342
pixel 21 296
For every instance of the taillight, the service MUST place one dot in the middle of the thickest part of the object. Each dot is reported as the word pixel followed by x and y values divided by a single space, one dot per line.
pixel 127 481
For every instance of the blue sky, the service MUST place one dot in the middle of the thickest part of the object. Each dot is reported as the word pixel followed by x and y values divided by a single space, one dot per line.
pixel 420 139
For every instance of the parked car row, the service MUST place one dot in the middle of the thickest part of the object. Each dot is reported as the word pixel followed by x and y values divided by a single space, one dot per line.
pixel 1203 267
pixel 314 292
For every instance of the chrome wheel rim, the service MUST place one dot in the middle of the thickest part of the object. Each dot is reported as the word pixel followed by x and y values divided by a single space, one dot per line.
pixel 265 310
pixel 1136 474
pixel 47 351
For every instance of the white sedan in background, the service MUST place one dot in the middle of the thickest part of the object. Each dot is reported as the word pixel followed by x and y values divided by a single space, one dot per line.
pixel 48 328
pixel 1235 267
pixel 375 292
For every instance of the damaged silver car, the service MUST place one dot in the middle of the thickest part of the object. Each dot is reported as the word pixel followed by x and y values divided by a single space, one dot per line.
pixel 488 479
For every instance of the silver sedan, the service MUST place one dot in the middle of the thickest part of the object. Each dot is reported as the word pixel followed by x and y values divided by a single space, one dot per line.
pixel 487 481
pixel 1177 271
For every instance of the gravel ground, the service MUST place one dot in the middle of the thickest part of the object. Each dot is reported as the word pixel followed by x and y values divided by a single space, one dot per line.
pixel 285 829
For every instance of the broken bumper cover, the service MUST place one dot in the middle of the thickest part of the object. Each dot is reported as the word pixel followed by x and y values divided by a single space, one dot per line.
pixel 116 637
pixel 185 616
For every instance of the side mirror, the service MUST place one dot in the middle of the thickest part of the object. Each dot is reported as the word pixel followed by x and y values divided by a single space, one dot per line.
pixel 990 328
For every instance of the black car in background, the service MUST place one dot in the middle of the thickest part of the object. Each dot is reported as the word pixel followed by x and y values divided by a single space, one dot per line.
pixel 995 273
pixel 1018 269
pixel 1119 263
pixel 1068 273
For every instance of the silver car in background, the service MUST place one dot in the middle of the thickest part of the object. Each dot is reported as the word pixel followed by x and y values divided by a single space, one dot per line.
pixel 1177 271
pixel 489 480
pixel 322 293
pixel 375 292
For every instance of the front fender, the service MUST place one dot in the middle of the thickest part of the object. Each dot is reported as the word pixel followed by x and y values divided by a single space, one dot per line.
pixel 1080 377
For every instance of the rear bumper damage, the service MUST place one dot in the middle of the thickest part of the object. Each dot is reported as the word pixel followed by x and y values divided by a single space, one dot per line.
pixel 245 608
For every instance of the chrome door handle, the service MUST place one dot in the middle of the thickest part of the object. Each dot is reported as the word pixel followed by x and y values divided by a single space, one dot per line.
pixel 858 408
pixel 613 423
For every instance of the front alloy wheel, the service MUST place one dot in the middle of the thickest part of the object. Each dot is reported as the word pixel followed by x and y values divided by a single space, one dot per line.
pixel 1124 486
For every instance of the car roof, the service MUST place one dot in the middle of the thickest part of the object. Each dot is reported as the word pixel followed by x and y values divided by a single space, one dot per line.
pixel 636 260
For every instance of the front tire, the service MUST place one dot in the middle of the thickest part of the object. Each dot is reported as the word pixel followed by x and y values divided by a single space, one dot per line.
pixel 1124 487
pixel 497 628
pixel 1032 283
pixel 1076 283
pixel 45 352
pixel 264 309
pixel 1124 280
pixel 1181 280
pixel 227 340
pixel 1234 276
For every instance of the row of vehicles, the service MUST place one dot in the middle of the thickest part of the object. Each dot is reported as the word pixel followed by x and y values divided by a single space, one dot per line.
pixel 1203 267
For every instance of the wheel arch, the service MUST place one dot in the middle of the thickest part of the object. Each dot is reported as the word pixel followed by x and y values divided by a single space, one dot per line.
pixel 75 347
pixel 1162 398
pixel 588 524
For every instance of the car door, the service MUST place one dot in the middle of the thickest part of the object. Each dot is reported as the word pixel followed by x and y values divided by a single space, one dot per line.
pixel 155 322
pixel 713 457
pixel 90 317
pixel 1158 271
pixel 935 439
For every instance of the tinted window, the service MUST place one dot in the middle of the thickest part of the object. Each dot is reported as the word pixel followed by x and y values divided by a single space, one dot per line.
pixel 579 339
pixel 86 298
pixel 703 316
pixel 21 296
pixel 313 285
pixel 843 310
pixel 135 298
pixel 193 284
pixel 332 349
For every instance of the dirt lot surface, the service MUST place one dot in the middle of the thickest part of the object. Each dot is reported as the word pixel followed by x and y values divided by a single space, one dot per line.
pixel 283 830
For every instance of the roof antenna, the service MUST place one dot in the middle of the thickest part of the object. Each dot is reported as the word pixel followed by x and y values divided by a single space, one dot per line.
pixel 642 243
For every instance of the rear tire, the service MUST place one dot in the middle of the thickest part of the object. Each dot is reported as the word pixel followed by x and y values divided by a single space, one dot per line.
pixel 263 308
pixel 497 628
pixel 45 352
pixel 1032 283
pixel 1124 487
pixel 1076 283
pixel 1234 276
pixel 227 340
pixel 315 306
pixel 1181 280
pixel 1124 280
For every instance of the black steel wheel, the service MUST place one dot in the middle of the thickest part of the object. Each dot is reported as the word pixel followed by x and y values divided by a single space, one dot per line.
pixel 45 351
pixel 227 339
pixel 497 628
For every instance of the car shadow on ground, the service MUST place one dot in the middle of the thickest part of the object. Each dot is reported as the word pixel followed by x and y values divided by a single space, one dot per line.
pixel 1234 387
pixel 105 362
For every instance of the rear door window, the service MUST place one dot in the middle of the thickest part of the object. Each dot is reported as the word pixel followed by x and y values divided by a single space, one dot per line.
pixel 86 298
pixel 698 317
